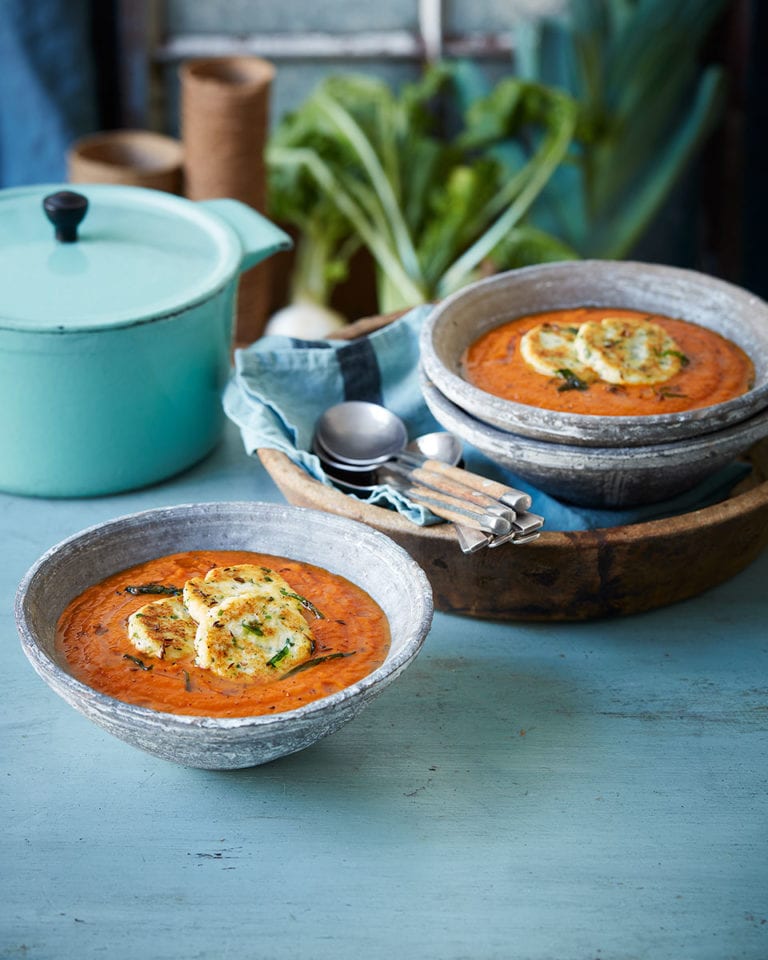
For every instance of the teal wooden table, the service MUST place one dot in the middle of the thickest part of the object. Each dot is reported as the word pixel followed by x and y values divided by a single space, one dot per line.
pixel 524 792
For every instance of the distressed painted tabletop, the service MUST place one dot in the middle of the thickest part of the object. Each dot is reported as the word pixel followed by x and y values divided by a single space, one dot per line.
pixel 524 792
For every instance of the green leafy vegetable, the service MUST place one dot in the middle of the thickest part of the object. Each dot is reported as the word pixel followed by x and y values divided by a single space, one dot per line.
pixel 453 178
pixel 357 165
pixel 647 107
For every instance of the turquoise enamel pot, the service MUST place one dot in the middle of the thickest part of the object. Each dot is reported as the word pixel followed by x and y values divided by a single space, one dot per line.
pixel 116 318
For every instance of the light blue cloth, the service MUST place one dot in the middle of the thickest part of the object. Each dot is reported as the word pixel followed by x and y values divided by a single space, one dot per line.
pixel 280 386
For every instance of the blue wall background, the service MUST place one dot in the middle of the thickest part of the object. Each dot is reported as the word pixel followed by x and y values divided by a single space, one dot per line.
pixel 48 93
pixel 59 81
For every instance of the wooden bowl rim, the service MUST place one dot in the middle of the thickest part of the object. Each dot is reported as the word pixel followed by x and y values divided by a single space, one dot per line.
pixel 295 479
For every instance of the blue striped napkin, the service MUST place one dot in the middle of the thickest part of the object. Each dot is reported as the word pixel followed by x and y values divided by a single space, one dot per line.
pixel 281 385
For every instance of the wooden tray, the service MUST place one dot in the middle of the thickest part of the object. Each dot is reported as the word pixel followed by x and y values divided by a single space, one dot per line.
pixel 574 575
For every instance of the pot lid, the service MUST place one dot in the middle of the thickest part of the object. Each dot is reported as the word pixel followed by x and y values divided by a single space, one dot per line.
pixel 116 256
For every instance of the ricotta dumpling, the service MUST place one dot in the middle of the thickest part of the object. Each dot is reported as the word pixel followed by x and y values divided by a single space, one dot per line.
pixel 551 350
pixel 627 351
pixel 254 635
pixel 202 594
pixel 163 629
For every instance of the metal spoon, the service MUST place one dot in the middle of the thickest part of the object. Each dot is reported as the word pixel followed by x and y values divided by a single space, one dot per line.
pixel 440 445
pixel 361 479
pixel 361 444
pixel 360 433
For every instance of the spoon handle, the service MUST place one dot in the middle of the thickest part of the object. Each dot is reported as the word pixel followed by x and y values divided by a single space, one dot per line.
pixel 446 484
pixel 509 496
pixel 471 539
pixel 525 529
pixel 457 511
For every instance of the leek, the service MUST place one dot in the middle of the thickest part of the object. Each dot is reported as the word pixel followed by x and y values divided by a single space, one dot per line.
pixel 647 108
pixel 432 209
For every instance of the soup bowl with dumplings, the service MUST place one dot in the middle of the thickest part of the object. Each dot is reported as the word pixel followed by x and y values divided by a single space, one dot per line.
pixel 604 383
pixel 91 588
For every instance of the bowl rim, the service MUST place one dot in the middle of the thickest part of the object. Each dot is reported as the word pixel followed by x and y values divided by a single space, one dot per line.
pixel 57 677
pixel 293 481
pixel 603 477
pixel 576 428
pixel 643 457
pixel 602 554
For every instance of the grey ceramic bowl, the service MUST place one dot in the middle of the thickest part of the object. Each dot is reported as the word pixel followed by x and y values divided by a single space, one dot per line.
pixel 602 476
pixel 354 550
pixel 460 319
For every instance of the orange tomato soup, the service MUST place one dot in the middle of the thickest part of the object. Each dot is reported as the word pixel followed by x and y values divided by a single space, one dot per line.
pixel 92 637
pixel 715 369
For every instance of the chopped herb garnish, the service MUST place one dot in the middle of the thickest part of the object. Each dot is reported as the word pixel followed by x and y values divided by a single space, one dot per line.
pixel 307 604
pixel 315 660
pixel 138 661
pixel 572 382
pixel 664 394
pixel 684 361
pixel 187 682
pixel 253 627
pixel 154 588
pixel 280 655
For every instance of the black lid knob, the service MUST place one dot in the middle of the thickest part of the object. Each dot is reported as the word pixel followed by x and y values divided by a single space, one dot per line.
pixel 65 210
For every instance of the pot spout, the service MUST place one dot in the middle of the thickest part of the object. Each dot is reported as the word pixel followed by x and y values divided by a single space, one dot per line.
pixel 259 237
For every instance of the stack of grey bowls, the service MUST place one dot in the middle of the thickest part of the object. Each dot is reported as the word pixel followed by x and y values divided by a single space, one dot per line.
pixel 597 461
